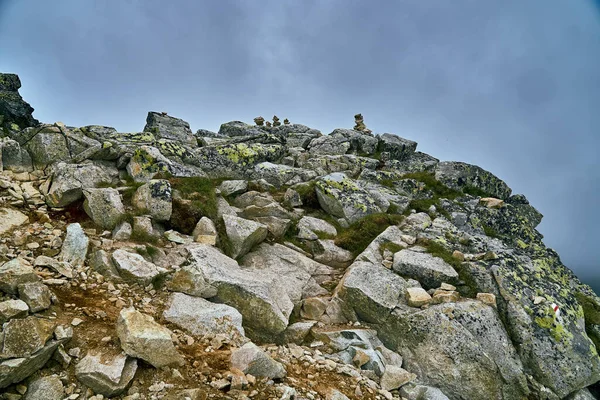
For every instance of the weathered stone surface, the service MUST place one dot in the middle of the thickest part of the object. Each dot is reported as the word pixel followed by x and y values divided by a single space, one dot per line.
pixel 201 317
pixel 10 219
pixel 36 295
pixel 75 246
pixel 275 225
pixel 12 309
pixel 234 187
pixel 122 231
pixel 45 388
pixel 296 274
pixel 17 369
pixel 260 298
pixel 164 126
pixel 134 268
pixel 430 271
pixel 108 375
pixel 397 147
pixel 458 175
pixel 143 338
pixel 13 157
pixel 69 180
pixel 279 175
pixel 447 342
pixel 310 227
pixel 14 273
pixel 341 197
pixel 417 297
pixel 326 252
pixel 15 113
pixel 421 392
pixel 250 359
pixel 104 206
pixel 395 377
pixel 102 263
pixel 24 337
pixel 61 267
pixel 243 234
pixel 155 199
pixel 238 128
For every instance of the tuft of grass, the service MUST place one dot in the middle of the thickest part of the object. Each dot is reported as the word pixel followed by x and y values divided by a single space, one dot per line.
pixel 387 182
pixel 491 232
pixel 198 200
pixel 143 238
pixel 308 195
pixel 476 192
pixel 392 247
pixel 360 234
pixel 437 250
pixel 439 189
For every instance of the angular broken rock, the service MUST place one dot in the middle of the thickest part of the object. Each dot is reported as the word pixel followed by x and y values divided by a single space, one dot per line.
pixel 310 227
pixel 37 296
pixel 252 360
pixel 430 271
pixel 205 232
pixel 10 219
pixel 122 231
pixel 487 298
pixel 45 388
pixel 201 317
pixel 243 234
pixel 133 267
pixel 229 188
pixel 75 246
pixel 17 369
pixel 14 273
pixel 23 337
pixel 417 297
pixel 12 309
pixel 104 206
pixel 61 267
pixel 155 199
pixel 105 374
pixel 142 337
pixel 395 377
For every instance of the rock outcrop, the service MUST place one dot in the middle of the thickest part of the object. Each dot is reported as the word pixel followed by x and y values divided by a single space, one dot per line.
pixel 272 261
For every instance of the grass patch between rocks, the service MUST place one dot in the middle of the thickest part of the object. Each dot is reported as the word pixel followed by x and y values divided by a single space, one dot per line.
pixel 360 234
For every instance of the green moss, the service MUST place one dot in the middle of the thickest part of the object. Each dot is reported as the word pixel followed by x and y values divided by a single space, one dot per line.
pixel 476 192
pixel 387 182
pixel 360 234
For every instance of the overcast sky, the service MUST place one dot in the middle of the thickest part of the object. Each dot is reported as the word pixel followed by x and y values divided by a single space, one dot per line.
pixel 512 86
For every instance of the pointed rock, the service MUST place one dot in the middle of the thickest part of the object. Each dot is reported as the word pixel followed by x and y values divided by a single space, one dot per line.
pixel 243 234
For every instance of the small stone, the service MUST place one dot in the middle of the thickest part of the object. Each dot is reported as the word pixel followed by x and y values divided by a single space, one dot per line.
pixel 448 287
pixel 538 300
pixel 487 298
pixel 458 255
pixel 417 297
pixel 395 377
pixel 76 321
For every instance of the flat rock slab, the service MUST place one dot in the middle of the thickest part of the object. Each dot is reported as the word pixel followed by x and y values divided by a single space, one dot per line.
pixel 201 317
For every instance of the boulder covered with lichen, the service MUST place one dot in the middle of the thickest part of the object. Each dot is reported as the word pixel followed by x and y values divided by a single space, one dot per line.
pixel 351 254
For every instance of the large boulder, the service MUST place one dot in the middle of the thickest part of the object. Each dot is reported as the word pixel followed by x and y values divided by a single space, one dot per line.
pixel 260 298
pixel 106 374
pixel 238 128
pixel 243 234
pixel 155 199
pixel 75 246
pixel 459 175
pixel 461 348
pixel 134 268
pixel 14 273
pixel 166 127
pixel 48 145
pixel 142 337
pixel 201 317
pixel 67 181
pixel 279 175
pixel 15 113
pixel 430 271
pixel 104 206
pixel 397 147
pixel 250 359
pixel 342 197
pixel 45 388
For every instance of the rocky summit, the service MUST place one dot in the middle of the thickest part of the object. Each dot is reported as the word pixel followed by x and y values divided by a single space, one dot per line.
pixel 271 261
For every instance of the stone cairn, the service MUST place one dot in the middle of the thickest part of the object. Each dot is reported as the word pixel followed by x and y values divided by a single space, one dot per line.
pixel 276 121
pixel 259 121
pixel 268 124
pixel 286 121
pixel 360 124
